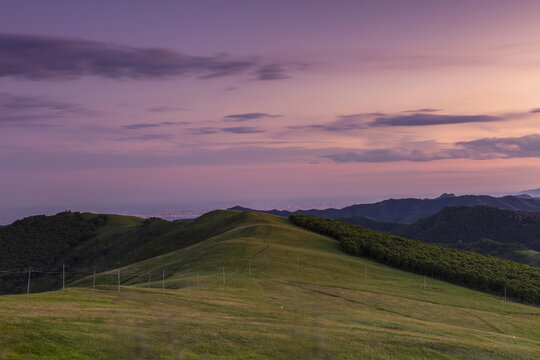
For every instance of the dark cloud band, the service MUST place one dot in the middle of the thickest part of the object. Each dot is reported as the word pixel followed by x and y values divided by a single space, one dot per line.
pixel 249 116
pixel 40 58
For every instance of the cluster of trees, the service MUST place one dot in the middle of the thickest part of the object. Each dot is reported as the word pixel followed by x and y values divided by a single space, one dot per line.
pixel 485 273
pixel 41 242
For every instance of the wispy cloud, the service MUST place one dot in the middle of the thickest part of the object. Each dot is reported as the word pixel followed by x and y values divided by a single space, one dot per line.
pixel 243 130
pixel 145 137
pixel 358 121
pixel 343 123
pixel 383 155
pixel 422 110
pixel 509 147
pixel 420 119
pixel 28 110
pixel 206 130
pixel 537 110
pixel 249 116
pixel 159 109
pixel 35 57
pixel 153 125
pixel 527 146
pixel 271 72
pixel 235 130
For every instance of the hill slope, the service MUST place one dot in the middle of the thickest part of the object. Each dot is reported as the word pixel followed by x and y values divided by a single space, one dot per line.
pixel 332 306
pixel 81 241
pixel 513 235
pixel 411 210
pixel 461 267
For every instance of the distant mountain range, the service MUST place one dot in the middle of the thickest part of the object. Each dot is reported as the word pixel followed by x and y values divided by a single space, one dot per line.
pixel 411 210
pixel 532 192
pixel 509 234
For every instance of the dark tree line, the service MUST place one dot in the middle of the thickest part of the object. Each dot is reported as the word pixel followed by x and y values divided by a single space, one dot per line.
pixel 480 272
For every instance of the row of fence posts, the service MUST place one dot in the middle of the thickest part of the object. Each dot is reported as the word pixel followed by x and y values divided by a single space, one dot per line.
pixel 163 277
pixel 198 279
pixel 148 286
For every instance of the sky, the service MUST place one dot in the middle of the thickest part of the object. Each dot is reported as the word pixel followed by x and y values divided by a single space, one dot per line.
pixel 207 104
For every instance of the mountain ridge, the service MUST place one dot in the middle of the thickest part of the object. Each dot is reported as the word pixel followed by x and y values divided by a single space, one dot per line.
pixel 409 210
pixel 510 234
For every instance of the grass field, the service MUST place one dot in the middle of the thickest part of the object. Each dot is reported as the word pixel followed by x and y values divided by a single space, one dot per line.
pixel 327 308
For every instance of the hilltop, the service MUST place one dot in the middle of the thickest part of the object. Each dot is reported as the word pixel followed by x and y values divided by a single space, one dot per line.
pixel 304 298
pixel 85 240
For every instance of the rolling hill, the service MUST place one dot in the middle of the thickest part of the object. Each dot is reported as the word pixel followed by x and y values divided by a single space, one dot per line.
pixel 81 241
pixel 411 210
pixel 304 299
pixel 513 235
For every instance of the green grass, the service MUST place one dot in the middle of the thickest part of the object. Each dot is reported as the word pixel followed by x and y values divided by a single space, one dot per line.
pixel 324 310
pixel 528 257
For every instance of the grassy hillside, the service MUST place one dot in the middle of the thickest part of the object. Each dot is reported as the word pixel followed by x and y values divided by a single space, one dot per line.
pixel 466 268
pixel 333 306
pixel 81 241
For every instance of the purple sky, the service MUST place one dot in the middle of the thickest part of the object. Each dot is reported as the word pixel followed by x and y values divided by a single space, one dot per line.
pixel 217 103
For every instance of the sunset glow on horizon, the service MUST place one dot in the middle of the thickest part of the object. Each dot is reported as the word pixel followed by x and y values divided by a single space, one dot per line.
pixel 235 102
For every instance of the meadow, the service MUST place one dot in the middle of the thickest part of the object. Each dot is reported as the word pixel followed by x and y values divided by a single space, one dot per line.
pixel 305 298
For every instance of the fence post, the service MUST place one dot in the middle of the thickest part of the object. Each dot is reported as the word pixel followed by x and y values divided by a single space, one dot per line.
pixel 28 288
pixel 249 265
pixel 63 277
pixel 197 279
pixel 94 281
pixel 163 279
pixel 297 262
pixel 118 279
pixel 223 274
pixel 148 289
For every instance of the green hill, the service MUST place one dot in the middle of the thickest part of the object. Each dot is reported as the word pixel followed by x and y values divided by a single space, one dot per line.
pixel 466 268
pixel 332 305
pixel 513 235
pixel 81 241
